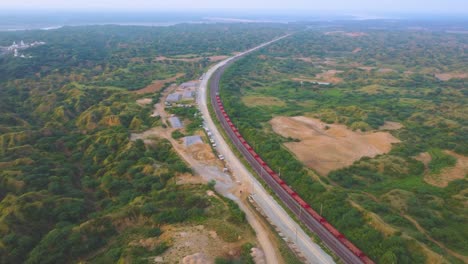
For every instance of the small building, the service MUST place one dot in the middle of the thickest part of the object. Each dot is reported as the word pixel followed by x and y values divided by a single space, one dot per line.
pixel 192 140
pixel 175 122
pixel 174 97
pixel 188 95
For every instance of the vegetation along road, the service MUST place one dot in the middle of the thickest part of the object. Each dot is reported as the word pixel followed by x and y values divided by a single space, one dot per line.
pixel 311 251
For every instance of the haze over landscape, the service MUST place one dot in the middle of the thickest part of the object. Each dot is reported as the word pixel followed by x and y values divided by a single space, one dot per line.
pixel 382 6
pixel 232 132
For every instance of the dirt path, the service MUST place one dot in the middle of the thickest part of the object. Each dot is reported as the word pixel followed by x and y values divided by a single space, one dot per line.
pixel 422 230
pixel 158 85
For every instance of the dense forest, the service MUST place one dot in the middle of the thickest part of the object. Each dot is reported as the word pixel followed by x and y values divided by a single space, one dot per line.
pixel 363 77
pixel 73 186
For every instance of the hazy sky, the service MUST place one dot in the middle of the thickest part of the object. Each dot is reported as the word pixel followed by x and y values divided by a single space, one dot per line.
pixel 419 6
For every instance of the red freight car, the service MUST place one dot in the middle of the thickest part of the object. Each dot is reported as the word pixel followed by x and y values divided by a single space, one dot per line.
pixel 301 202
pixel 332 230
pixel 277 178
pixel 268 169
pixel 288 189
pixel 356 251
pixel 251 151
pixel 248 147
pixel 260 161
pixel 315 215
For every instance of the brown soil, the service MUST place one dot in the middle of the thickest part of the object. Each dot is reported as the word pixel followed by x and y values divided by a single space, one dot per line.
pixel 447 175
pixel 218 58
pixel 366 68
pixel 188 178
pixel 158 85
pixel 329 149
pixel 424 158
pixel 163 58
pixel 388 125
pixel 357 50
pixel 144 101
pixel 192 243
pixel 329 76
pixel 202 153
pixel 451 75
pixel 252 101
pixel 385 70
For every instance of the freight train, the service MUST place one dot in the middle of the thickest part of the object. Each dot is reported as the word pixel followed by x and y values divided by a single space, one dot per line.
pixel 277 179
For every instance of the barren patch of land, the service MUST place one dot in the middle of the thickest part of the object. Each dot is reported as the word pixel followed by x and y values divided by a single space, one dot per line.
pixel 252 101
pixel 389 125
pixel 189 244
pixel 202 153
pixel 329 76
pixel 451 75
pixel 144 101
pixel 329 147
pixel 447 175
pixel 157 85
pixel 385 70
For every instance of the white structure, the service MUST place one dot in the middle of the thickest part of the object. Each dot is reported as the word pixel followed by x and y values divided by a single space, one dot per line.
pixel 174 97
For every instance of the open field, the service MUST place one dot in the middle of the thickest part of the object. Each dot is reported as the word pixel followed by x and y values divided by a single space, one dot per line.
pixel 252 101
pixel 157 85
pixel 452 75
pixel 447 175
pixel 326 147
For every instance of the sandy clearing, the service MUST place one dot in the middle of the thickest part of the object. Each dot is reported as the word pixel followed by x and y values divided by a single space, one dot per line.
pixel 252 101
pixel 190 244
pixel 329 147
pixel 366 68
pixel 144 101
pixel 329 76
pixel 424 157
pixel 389 125
pixel 447 175
pixel 451 75
pixel 356 50
pixel 385 70
pixel 157 85
pixel 202 153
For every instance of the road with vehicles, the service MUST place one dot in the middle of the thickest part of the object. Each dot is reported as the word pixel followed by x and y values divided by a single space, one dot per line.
pixel 336 241
pixel 270 207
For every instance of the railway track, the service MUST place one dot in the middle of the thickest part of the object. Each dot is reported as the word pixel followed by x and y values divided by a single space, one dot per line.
pixel 336 241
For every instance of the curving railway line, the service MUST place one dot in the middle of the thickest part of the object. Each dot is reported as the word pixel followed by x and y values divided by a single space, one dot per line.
pixel 336 241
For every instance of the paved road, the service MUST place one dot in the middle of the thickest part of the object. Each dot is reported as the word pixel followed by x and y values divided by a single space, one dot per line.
pixel 311 251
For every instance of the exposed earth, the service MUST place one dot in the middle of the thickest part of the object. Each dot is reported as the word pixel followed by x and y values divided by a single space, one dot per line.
pixel 157 85
pixel 327 147
pixel 447 175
